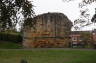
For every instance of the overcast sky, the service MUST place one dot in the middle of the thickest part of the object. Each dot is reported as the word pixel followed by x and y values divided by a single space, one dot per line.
pixel 71 9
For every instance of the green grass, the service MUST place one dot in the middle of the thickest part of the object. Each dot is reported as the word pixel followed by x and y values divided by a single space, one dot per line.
pixel 9 45
pixel 48 56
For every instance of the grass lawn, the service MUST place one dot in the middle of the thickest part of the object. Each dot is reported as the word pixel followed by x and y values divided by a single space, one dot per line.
pixel 48 56
pixel 9 45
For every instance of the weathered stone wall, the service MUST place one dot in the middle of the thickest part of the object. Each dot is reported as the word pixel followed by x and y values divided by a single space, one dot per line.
pixel 51 30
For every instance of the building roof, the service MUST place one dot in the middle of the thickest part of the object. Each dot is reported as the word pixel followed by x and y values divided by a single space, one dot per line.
pixel 94 30
pixel 78 32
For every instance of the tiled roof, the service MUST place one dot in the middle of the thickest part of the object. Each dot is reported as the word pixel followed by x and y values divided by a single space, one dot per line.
pixel 78 32
pixel 94 30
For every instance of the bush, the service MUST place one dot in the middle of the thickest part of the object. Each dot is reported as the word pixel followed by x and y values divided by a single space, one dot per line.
pixel 13 37
pixel 23 61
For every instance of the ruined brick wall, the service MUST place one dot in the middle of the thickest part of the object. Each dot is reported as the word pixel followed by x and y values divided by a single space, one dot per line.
pixel 51 30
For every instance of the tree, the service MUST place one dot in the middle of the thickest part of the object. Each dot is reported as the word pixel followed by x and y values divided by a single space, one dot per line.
pixel 83 1
pixel 94 17
pixel 87 38
pixel 84 18
pixel 13 12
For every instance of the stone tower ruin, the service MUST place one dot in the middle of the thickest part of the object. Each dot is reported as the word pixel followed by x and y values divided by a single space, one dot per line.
pixel 51 30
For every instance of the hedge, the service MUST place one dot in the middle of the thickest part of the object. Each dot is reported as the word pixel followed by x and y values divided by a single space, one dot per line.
pixel 13 37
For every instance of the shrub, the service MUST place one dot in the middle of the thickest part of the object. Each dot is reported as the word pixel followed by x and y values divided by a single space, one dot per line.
pixel 13 37
pixel 23 61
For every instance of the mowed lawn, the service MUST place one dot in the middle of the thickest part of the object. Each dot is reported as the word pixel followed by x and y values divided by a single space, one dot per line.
pixel 48 56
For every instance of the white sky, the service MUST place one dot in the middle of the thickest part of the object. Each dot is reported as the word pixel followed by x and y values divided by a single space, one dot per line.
pixel 71 9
